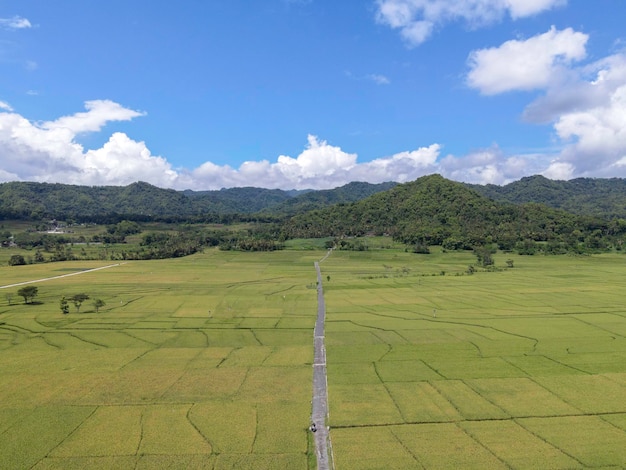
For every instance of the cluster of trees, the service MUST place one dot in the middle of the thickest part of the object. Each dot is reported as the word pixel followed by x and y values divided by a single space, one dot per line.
pixel 27 292
pixel 78 300
pixel 30 292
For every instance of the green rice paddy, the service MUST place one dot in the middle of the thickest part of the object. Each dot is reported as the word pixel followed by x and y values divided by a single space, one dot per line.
pixel 205 362
pixel 519 368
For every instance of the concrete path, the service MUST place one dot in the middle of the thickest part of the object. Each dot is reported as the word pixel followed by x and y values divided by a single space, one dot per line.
pixel 62 275
pixel 319 413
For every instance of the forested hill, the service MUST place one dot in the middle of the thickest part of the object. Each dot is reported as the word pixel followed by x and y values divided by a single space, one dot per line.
pixel 588 196
pixel 28 200
pixel 435 211
pixel 311 200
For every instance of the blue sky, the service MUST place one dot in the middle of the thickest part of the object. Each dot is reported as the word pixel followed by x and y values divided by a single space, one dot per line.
pixel 205 94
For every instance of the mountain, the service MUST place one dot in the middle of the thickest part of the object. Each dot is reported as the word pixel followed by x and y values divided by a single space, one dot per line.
pixel 435 211
pixel 585 196
pixel 28 200
pixel 311 200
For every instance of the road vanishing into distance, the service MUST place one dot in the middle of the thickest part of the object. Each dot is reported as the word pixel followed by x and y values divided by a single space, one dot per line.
pixel 319 413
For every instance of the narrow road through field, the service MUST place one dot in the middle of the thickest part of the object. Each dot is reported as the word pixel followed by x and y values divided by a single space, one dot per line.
pixel 62 275
pixel 319 413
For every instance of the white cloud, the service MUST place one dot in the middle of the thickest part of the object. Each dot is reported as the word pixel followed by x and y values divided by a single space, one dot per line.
pixel 492 166
pixel 534 63
pixel 596 137
pixel 16 22
pixel 586 104
pixel 99 112
pixel 48 151
pixel 417 19
pixel 379 79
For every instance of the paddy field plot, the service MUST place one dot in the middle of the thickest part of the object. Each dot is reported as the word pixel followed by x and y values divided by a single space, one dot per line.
pixel 205 362
pixel 200 362
pixel 430 367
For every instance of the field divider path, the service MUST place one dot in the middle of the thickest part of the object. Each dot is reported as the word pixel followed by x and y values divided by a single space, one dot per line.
pixel 60 276
pixel 319 403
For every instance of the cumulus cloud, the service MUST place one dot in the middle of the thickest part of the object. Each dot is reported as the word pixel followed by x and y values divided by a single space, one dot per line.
pixel 48 151
pixel 585 103
pixel 596 137
pixel 417 19
pixel 98 113
pixel 16 22
pixel 530 64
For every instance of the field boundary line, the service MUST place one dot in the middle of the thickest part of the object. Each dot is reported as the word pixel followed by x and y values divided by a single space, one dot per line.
pixel 60 276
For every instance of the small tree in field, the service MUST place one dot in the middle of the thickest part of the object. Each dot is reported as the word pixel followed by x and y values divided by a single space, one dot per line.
pixel 483 255
pixel 64 305
pixel 28 292
pixel 97 304
pixel 78 300
pixel 9 297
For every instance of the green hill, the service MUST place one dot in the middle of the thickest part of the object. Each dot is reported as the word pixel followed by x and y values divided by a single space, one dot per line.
pixel 435 211
pixel 585 196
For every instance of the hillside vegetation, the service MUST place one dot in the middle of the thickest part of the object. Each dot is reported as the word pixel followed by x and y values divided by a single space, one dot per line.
pixel 428 211
pixel 585 196
pixel 436 211
pixel 142 201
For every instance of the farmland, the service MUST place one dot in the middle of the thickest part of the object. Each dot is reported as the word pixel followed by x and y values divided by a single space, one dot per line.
pixel 521 368
pixel 202 362
pixel 205 362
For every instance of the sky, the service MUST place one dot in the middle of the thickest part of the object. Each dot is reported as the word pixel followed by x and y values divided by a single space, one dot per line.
pixel 310 94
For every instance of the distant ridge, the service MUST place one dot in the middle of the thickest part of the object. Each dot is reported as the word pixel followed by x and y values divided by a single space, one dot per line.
pixel 585 196
pixel 29 200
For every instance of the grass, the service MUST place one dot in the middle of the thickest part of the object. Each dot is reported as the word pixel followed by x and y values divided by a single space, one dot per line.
pixel 205 362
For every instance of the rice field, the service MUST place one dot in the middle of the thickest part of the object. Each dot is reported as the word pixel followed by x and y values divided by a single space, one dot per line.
pixel 205 362
pixel 201 362
pixel 430 367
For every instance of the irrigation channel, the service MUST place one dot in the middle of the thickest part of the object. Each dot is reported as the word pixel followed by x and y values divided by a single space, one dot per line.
pixel 319 413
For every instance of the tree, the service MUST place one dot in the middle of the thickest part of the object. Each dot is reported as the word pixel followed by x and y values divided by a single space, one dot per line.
pixel 17 260
pixel 78 300
pixel 9 296
pixel 98 303
pixel 483 255
pixel 28 292
pixel 64 305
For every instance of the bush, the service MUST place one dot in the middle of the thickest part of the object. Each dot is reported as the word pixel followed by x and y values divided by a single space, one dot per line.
pixel 17 260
